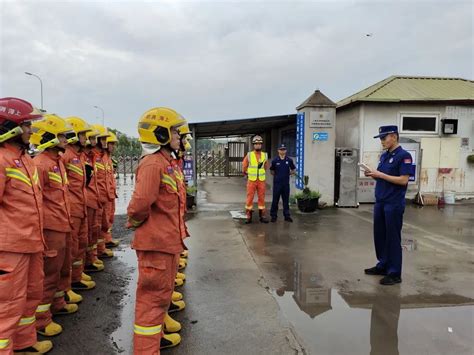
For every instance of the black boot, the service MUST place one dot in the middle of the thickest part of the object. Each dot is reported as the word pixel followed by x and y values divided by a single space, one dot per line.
pixel 249 217
pixel 263 219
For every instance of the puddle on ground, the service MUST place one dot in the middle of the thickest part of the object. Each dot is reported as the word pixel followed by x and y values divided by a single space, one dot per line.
pixel 122 337
pixel 328 321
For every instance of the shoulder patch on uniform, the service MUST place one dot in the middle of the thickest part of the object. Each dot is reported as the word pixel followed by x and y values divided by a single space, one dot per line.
pixel 76 160
pixel 18 163
pixel 55 168
pixel 407 160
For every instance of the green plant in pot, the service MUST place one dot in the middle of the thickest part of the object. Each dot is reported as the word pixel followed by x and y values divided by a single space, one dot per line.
pixel 191 196
pixel 470 159
pixel 307 200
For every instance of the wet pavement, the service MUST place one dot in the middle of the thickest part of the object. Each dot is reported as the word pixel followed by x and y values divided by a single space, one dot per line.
pixel 295 288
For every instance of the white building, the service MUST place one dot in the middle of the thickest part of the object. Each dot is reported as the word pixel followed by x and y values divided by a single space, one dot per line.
pixel 434 114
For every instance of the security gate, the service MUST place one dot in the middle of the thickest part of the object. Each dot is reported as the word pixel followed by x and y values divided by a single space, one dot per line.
pixel 236 152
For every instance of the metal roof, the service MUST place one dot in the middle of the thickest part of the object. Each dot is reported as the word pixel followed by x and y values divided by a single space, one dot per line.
pixel 240 127
pixel 415 88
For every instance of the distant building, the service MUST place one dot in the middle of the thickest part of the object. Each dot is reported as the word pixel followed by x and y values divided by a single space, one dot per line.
pixel 434 114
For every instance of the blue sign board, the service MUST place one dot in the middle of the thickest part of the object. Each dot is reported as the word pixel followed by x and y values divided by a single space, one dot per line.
pixel 300 150
pixel 320 136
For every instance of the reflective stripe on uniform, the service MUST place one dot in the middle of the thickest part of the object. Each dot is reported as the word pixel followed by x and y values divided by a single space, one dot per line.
pixel 100 166
pixel 100 240
pixel 249 207
pixel 55 177
pixel 36 177
pixel 18 175
pixel 4 343
pixel 27 320
pixel 253 171
pixel 168 180
pixel 74 169
pixel 77 263
pixel 138 329
pixel 43 308
pixel 134 222
pixel 59 294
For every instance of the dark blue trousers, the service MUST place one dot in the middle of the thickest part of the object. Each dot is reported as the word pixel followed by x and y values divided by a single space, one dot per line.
pixel 282 190
pixel 388 222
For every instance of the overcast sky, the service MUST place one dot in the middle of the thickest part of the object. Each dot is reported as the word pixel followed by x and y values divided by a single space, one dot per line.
pixel 219 60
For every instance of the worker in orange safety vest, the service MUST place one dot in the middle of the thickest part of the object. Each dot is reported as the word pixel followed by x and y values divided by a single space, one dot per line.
pixel 254 166
pixel 21 239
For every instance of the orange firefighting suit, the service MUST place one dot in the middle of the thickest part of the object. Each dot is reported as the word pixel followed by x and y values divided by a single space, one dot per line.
pixel 21 249
pixel 109 206
pixel 57 234
pixel 155 211
pixel 93 208
pixel 74 163
pixel 103 189
pixel 255 186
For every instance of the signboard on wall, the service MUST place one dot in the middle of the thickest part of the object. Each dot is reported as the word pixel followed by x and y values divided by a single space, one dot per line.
pixel 321 119
pixel 300 150
pixel 320 136
pixel 414 150
pixel 188 169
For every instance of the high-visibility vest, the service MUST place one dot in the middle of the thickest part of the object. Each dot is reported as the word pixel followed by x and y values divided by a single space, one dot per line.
pixel 253 171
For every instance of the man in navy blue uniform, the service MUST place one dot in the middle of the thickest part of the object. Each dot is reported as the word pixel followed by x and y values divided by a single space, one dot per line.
pixel 282 167
pixel 392 174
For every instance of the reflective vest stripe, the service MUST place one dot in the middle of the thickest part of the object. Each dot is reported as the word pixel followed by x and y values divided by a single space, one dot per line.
pixel 55 177
pixel 253 171
pixel 27 320
pixel 100 166
pixel 43 308
pixel 137 329
pixel 166 179
pixel 4 343
pixel 36 177
pixel 18 175
pixel 74 169
pixel 59 294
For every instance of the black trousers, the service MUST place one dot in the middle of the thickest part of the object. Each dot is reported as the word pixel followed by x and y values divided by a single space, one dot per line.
pixel 283 191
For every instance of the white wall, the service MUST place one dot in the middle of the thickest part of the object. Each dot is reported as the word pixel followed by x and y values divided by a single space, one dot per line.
pixel 458 177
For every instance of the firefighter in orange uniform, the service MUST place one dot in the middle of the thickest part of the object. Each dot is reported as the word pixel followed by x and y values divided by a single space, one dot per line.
pixel 109 206
pixel 93 264
pixel 254 165
pixel 74 161
pixel 155 212
pixel 105 196
pixel 21 243
pixel 112 142
pixel 49 137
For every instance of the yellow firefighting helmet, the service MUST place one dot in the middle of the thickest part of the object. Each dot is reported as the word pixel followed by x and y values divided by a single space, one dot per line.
pixel 103 131
pixel 93 133
pixel 184 129
pixel 112 138
pixel 187 142
pixel 46 131
pixel 79 126
pixel 155 125
pixel 257 139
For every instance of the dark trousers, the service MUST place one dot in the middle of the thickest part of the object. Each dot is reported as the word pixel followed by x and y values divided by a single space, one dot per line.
pixel 282 190
pixel 388 222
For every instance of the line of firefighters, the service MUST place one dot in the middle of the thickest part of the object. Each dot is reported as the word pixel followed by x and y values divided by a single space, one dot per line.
pixel 57 197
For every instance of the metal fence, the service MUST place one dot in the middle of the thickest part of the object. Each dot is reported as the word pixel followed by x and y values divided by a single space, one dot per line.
pixel 210 163
pixel 126 165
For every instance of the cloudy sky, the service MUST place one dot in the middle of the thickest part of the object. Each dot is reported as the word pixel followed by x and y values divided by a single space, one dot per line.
pixel 218 60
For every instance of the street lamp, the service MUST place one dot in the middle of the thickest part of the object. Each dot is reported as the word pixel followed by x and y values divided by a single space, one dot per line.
pixel 100 108
pixel 41 83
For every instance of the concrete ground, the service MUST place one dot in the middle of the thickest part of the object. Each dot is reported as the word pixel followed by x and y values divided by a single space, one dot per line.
pixel 296 288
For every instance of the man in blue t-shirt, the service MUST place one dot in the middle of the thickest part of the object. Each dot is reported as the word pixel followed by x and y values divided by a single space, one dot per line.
pixel 392 174
pixel 282 167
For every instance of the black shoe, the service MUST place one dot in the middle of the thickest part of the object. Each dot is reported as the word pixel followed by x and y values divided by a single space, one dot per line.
pixel 289 219
pixel 375 271
pixel 273 220
pixel 263 220
pixel 390 280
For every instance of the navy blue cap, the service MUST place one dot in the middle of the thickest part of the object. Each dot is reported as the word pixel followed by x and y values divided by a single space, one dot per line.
pixel 385 130
pixel 282 147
